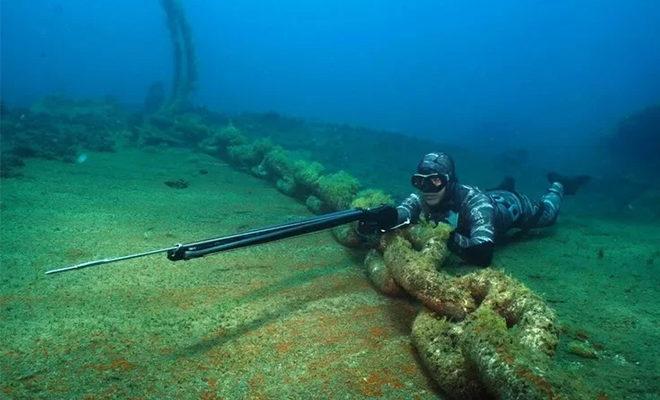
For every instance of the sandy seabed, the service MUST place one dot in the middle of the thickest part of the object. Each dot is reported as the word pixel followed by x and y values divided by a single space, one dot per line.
pixel 292 319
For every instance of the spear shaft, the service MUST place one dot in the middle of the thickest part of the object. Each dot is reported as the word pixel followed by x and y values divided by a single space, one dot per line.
pixel 383 217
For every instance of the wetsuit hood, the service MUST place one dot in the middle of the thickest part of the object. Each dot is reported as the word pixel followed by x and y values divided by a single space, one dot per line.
pixel 442 164
pixel 437 163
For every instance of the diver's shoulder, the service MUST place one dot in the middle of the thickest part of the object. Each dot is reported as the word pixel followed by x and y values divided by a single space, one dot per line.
pixel 468 190
pixel 467 195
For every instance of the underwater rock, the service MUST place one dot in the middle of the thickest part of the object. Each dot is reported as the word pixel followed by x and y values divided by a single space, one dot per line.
pixel 102 113
pixel 177 184
pixel 56 128
pixel 582 349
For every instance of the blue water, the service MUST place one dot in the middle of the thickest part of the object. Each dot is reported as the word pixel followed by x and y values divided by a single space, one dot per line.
pixel 496 74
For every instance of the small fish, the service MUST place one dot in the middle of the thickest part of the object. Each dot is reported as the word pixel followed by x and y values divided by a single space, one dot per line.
pixel 81 158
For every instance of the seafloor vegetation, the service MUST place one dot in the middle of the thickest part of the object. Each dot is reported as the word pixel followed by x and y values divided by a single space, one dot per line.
pixel 297 318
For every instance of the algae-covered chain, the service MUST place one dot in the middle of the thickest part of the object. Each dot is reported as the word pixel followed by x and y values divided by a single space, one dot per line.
pixel 374 219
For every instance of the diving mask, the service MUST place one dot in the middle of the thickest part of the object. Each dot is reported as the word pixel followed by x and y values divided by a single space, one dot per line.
pixel 430 183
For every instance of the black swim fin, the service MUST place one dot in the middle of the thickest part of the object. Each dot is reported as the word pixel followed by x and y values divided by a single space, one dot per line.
pixel 508 183
pixel 571 183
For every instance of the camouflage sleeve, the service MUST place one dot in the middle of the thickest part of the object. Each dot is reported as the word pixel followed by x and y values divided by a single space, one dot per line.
pixel 477 248
pixel 409 210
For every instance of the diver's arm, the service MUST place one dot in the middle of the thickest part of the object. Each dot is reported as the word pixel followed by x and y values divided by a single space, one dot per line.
pixel 409 210
pixel 478 247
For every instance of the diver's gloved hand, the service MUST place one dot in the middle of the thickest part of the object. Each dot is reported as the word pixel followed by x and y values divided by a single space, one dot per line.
pixel 480 254
pixel 452 243
pixel 378 219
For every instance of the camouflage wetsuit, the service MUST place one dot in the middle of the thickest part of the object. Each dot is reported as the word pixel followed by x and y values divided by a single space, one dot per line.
pixel 483 216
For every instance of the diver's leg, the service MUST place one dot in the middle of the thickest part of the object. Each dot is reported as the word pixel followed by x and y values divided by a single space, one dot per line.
pixel 544 212
pixel 549 205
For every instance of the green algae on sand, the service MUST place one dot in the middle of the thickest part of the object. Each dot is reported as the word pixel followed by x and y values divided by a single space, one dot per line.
pixel 293 319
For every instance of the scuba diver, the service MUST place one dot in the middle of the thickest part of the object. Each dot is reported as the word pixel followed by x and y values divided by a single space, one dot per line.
pixel 483 216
